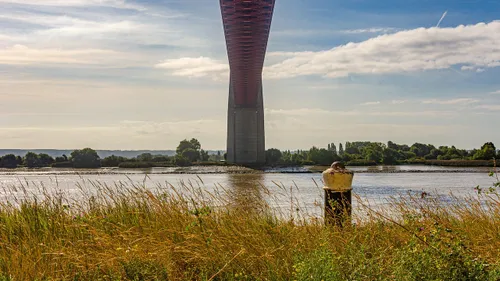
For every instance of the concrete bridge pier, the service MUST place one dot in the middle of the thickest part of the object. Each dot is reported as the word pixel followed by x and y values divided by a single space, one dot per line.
pixel 246 136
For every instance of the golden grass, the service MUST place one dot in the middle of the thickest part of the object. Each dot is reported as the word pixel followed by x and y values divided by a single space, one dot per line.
pixel 127 232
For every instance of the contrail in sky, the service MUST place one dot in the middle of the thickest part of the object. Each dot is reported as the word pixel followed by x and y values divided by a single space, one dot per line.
pixel 442 18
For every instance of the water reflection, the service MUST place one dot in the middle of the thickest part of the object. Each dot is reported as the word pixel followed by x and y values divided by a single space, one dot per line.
pixel 386 169
pixel 245 191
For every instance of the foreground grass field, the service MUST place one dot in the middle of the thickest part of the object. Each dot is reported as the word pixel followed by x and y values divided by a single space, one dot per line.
pixel 129 233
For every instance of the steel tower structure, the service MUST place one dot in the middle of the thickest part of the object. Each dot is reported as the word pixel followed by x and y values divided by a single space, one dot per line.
pixel 247 24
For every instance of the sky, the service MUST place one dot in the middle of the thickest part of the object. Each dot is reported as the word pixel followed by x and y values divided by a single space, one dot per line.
pixel 119 74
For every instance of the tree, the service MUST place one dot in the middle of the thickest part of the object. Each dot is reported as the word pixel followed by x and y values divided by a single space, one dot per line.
pixel 321 156
pixel 421 149
pixel 45 160
pixel 185 144
pixel 341 150
pixel 145 157
pixel 85 158
pixel 31 160
pixel 192 147
pixel 19 160
pixel 161 158
pixel 390 156
pixel 434 154
pixel 113 161
pixel 487 152
pixel 333 148
pixel 204 155
pixel 191 154
pixel 181 161
pixel 273 156
pixel 9 161
pixel 61 159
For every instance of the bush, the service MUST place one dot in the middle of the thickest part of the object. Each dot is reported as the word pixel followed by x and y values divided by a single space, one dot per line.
pixel 182 161
pixel 66 164
pixel 361 163
pixel 436 262
pixel 461 163
pixel 135 165
pixel 210 163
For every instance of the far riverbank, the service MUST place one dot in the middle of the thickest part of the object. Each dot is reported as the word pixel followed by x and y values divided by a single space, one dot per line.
pixel 244 170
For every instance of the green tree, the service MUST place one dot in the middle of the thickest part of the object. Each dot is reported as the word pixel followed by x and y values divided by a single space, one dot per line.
pixel 487 152
pixel 85 158
pixel 390 156
pixel 333 148
pixel 421 149
pixel 433 154
pixel 341 150
pixel 19 160
pixel 189 149
pixel 145 157
pixel 181 161
pixel 185 144
pixel 204 155
pixel 273 156
pixel 9 161
pixel 45 160
pixel 31 160
pixel 321 156
pixel 191 154
pixel 113 161
pixel 161 158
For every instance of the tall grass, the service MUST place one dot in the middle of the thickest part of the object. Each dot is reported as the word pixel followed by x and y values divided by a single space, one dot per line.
pixel 129 232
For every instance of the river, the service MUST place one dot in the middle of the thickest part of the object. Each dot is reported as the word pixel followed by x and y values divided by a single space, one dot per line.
pixel 375 185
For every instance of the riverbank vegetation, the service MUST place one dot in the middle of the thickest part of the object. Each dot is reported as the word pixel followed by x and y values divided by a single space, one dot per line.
pixel 374 153
pixel 189 152
pixel 127 232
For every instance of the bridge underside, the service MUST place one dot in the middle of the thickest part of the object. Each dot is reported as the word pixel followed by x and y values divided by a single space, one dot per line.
pixel 247 25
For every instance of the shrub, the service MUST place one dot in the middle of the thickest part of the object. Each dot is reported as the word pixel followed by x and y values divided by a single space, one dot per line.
pixel 182 161
pixel 135 165
pixel 66 164
pixel 359 162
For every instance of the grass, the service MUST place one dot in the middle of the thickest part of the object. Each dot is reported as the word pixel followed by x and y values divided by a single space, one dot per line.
pixel 127 232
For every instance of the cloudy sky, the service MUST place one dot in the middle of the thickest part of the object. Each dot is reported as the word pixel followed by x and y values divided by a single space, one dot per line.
pixel 119 74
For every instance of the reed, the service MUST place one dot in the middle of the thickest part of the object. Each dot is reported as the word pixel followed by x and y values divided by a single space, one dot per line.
pixel 132 232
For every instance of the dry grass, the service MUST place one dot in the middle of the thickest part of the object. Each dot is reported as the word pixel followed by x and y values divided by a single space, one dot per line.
pixel 127 232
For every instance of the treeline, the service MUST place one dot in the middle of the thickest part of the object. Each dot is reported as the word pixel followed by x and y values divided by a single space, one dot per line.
pixel 375 153
pixel 188 153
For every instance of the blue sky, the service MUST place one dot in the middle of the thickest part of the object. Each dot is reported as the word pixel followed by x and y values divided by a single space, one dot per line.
pixel 114 74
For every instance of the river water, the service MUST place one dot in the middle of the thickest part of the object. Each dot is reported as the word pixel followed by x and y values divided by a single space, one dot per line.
pixel 283 189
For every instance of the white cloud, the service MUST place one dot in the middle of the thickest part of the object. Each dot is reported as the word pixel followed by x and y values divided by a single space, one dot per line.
pixel 405 51
pixel 459 101
pixel 495 92
pixel 20 54
pixel 103 3
pixel 196 67
pixel 370 30
pixel 398 101
pixel 66 25
pixel 492 107
pixel 123 135
pixel 474 47
pixel 303 112
pixel 330 32
pixel 371 103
